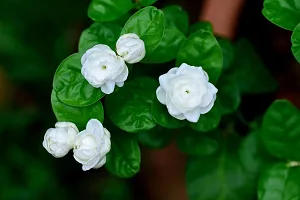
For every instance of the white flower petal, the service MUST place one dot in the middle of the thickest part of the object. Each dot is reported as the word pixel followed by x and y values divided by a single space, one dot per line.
pixel 172 108
pixel 204 110
pixel 120 84
pixel 66 124
pixel 161 95
pixel 91 163
pixel 179 117
pixel 206 99
pixel 212 88
pixel 100 163
pixel 108 87
pixel 95 127
pixel 123 75
pixel 193 115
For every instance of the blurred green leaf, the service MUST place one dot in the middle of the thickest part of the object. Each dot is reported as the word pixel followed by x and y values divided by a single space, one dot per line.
pixel 176 17
pixel 204 25
pixel 228 51
pixel 146 2
pixel 296 42
pixel 156 138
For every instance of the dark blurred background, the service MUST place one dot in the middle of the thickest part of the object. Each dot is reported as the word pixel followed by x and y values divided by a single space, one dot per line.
pixel 35 36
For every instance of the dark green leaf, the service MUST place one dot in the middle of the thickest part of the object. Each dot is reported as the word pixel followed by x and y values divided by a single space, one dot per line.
pixel 204 25
pixel 78 115
pixel 163 118
pixel 296 42
pixel 210 120
pixel 195 143
pixel 228 51
pixel 280 182
pixel 168 47
pixel 202 49
pixel 108 10
pixel 281 130
pixel 157 137
pixel 130 107
pixel 146 2
pixel 99 33
pixel 249 72
pixel 149 24
pixel 175 16
pixel 71 87
pixel 229 95
pixel 124 158
pixel 283 13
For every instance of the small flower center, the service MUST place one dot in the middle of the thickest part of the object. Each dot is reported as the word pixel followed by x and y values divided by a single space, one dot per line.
pixel 103 67
pixel 187 92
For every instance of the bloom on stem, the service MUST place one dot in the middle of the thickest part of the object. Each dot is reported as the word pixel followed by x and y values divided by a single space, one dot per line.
pixel 186 92
pixel 102 68
pixel 92 145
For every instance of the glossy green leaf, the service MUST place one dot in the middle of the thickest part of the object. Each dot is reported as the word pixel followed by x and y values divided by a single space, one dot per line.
pixel 99 33
pixel 168 47
pixel 249 72
pixel 71 87
pixel 283 13
pixel 146 2
pixel 156 138
pixel 280 182
pixel 163 118
pixel 124 158
pixel 78 115
pixel 296 42
pixel 210 120
pixel 229 95
pixel 175 16
pixel 228 51
pixel 108 10
pixel 149 24
pixel 202 49
pixel 130 107
pixel 203 25
pixel 281 130
pixel 196 144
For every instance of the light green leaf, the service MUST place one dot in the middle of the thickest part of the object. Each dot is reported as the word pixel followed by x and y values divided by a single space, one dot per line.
pixel 280 182
pixel 202 49
pixel 146 2
pixel 175 16
pixel 71 87
pixel 124 158
pixel 149 24
pixel 283 13
pixel 168 47
pixel 78 115
pixel 108 10
pixel 281 130
pixel 130 107
pixel 99 33
pixel 296 42
pixel 204 25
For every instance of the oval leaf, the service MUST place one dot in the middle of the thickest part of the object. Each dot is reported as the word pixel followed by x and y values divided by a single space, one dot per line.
pixel 281 130
pixel 149 24
pixel 78 115
pixel 124 158
pixel 204 25
pixel 99 33
pixel 202 49
pixel 146 2
pixel 130 107
pixel 71 87
pixel 175 16
pixel 296 42
pixel 108 10
pixel 228 51
pixel 283 13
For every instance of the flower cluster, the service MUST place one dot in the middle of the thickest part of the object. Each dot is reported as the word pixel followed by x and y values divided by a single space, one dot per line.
pixel 90 146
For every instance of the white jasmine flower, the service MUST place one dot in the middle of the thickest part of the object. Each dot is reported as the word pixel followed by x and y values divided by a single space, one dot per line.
pixel 131 48
pixel 60 140
pixel 92 145
pixel 102 68
pixel 186 92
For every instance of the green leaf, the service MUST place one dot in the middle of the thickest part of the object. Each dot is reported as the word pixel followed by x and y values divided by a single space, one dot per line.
pixel 162 117
pixel 204 25
pixel 228 51
pixel 124 158
pixel 108 10
pixel 210 120
pixel 280 182
pixel 78 115
pixel 149 24
pixel 283 13
pixel 281 130
pixel 296 42
pixel 71 87
pixel 156 138
pixel 175 16
pixel 130 107
pixel 202 49
pixel 168 47
pixel 195 143
pixel 146 2
pixel 249 72
pixel 99 33
pixel 229 94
